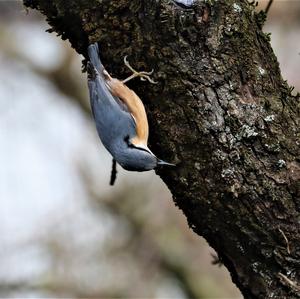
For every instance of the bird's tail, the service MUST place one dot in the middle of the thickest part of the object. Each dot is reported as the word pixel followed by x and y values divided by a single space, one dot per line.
pixel 93 51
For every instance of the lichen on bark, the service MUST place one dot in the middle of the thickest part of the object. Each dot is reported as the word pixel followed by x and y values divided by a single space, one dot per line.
pixel 221 111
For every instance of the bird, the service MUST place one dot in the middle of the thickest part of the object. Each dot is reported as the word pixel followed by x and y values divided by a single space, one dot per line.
pixel 184 3
pixel 120 116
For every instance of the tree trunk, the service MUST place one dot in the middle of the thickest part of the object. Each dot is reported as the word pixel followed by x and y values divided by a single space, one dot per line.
pixel 221 111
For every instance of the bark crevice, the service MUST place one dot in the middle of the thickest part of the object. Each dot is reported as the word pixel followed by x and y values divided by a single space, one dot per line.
pixel 222 112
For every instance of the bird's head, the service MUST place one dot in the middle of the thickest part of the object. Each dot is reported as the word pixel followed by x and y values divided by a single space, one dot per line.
pixel 139 158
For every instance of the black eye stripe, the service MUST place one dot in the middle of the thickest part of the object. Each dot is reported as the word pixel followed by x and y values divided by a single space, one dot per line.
pixel 140 148
pixel 126 139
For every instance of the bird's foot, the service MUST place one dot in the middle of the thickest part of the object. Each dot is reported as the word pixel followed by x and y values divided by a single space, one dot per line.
pixel 143 75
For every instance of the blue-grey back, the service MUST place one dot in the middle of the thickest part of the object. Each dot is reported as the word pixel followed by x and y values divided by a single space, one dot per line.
pixel 93 51
pixel 113 122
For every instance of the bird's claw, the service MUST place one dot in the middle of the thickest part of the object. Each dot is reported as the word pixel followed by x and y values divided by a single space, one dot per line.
pixel 143 75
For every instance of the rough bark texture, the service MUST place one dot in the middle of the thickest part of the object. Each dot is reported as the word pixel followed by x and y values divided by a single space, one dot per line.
pixel 222 112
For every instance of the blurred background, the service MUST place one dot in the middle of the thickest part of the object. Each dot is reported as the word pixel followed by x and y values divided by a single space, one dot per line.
pixel 64 232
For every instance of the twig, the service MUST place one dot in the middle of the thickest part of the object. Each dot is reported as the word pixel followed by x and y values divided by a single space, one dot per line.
pixel 114 172
pixel 286 240
pixel 291 283
pixel 268 6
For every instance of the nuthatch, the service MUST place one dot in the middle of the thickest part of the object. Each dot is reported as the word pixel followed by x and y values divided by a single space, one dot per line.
pixel 120 116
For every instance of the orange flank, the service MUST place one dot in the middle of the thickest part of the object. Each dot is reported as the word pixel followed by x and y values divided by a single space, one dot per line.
pixel 136 108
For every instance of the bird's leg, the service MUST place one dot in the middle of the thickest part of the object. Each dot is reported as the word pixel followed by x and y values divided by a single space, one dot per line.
pixel 143 75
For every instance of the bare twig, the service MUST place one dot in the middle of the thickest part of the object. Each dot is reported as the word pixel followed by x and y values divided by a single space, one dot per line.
pixel 268 6
pixel 289 282
pixel 286 240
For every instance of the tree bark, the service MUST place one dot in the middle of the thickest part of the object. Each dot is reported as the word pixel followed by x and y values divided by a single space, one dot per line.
pixel 221 111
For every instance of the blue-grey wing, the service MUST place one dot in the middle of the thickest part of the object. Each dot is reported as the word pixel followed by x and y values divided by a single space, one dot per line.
pixel 114 123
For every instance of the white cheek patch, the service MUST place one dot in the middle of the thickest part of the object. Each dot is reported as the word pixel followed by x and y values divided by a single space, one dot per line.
pixel 144 147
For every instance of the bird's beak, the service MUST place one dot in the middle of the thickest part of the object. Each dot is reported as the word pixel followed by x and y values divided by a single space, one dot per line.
pixel 162 163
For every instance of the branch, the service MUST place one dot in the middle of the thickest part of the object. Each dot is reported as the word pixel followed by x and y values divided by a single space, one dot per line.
pixel 221 112
pixel 268 6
